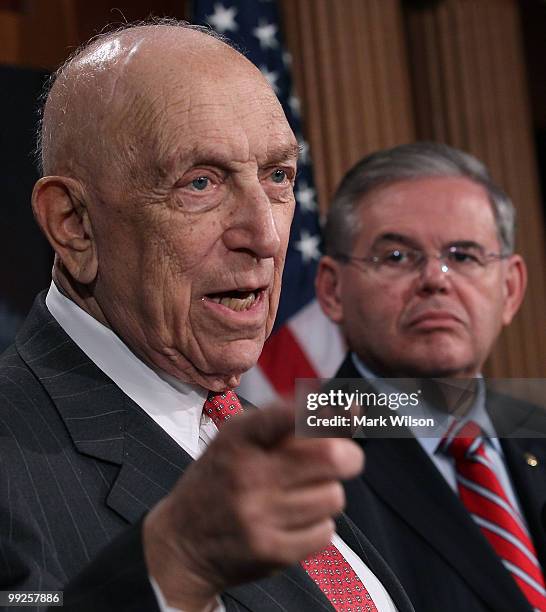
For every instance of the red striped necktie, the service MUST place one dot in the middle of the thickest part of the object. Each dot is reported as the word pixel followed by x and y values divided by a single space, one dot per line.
pixel 327 568
pixel 485 499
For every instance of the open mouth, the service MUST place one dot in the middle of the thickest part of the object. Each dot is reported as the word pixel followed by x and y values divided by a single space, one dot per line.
pixel 236 300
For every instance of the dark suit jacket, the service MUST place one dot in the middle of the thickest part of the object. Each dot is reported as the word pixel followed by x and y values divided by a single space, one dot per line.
pixel 80 464
pixel 419 526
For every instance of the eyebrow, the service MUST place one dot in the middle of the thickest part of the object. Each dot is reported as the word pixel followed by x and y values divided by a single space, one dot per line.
pixel 394 237
pixel 284 153
pixel 467 244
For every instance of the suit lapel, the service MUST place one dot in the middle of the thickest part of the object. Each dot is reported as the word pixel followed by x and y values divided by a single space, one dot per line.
pixel 290 590
pixel 525 455
pixel 529 481
pixel 394 470
pixel 152 463
pixel 102 421
pixel 355 539
pixel 90 405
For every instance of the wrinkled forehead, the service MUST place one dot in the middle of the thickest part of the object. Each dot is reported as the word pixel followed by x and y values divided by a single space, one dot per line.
pixel 214 98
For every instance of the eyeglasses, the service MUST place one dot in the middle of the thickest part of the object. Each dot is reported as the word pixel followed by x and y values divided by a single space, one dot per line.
pixel 470 261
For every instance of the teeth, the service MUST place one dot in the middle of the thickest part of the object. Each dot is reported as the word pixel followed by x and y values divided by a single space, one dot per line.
pixel 235 303
pixel 238 304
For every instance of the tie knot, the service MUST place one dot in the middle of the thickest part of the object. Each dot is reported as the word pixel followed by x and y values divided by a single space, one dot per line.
pixel 464 442
pixel 222 406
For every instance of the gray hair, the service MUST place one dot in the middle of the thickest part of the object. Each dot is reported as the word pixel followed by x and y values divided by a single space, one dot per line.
pixel 406 162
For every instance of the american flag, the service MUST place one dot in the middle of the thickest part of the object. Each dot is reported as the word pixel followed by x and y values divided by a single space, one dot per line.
pixel 304 343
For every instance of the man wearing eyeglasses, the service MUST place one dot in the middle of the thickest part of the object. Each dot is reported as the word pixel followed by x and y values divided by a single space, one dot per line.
pixel 421 275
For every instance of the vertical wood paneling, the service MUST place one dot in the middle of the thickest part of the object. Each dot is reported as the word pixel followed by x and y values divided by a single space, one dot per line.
pixel 9 29
pixel 47 31
pixel 38 37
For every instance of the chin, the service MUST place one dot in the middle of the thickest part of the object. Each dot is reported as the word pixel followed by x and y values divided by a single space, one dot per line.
pixel 442 365
pixel 243 355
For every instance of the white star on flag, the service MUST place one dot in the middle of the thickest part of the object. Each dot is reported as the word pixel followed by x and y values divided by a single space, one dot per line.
pixel 308 246
pixel 294 104
pixel 304 156
pixel 305 197
pixel 271 76
pixel 287 59
pixel 223 19
pixel 266 33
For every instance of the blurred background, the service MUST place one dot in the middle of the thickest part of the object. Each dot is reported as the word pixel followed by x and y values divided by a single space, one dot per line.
pixel 368 74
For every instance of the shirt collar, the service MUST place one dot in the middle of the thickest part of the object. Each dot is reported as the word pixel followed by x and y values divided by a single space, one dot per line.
pixel 175 405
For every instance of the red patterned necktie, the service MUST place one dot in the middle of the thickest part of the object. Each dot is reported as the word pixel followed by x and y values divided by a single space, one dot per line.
pixel 328 568
pixel 222 406
pixel 484 497
pixel 338 581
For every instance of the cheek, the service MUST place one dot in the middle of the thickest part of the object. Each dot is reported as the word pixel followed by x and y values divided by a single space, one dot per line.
pixel 169 270
pixel 378 305
pixel 283 215
pixel 185 244
pixel 486 318
pixel 283 222
pixel 484 306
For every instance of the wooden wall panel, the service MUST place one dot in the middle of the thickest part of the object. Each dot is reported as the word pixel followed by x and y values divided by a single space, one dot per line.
pixel 39 36
pixel 44 32
pixel 9 25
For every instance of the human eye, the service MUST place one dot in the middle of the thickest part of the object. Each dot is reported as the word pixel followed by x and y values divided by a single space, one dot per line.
pixel 199 189
pixel 279 176
pixel 278 182
pixel 396 257
pixel 200 183
pixel 465 256
pixel 282 176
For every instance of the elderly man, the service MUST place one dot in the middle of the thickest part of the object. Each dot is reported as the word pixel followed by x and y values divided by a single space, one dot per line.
pixel 167 197
pixel 421 276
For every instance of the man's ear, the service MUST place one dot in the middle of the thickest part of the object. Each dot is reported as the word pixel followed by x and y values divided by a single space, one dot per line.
pixel 327 288
pixel 58 206
pixel 515 282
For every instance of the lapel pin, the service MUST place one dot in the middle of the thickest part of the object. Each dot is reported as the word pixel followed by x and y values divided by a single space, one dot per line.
pixel 531 460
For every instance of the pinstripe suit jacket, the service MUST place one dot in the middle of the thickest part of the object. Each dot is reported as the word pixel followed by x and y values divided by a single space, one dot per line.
pixel 80 464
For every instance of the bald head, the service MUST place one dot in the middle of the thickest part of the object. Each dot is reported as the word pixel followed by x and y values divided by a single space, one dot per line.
pixel 168 197
pixel 105 100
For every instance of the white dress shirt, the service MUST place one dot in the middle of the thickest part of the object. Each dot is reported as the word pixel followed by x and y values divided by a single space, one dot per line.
pixel 177 407
pixel 430 441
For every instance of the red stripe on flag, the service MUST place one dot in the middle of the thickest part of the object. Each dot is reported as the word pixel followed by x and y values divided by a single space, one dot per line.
pixel 283 360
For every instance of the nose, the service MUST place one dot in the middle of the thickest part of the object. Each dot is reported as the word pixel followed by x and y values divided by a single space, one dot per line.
pixel 252 226
pixel 434 276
